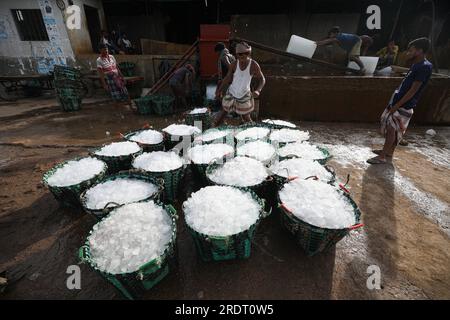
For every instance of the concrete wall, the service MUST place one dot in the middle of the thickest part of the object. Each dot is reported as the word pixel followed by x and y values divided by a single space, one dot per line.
pixel 80 39
pixel 348 99
pixel 24 57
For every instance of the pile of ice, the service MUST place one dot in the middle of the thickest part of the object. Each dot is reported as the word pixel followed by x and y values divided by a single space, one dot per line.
pixel 212 135
pixel 204 154
pixel 259 150
pixel 129 237
pixel 318 204
pixel 253 133
pixel 181 130
pixel 289 135
pixel 302 150
pixel 120 191
pixel 76 171
pixel 117 149
pixel 280 123
pixel 158 161
pixel 221 211
pixel 199 110
pixel 240 172
pixel 147 137
pixel 301 168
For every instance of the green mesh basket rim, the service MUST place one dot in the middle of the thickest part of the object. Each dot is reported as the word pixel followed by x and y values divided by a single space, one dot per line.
pixel 52 171
pixel 214 166
pixel 136 175
pixel 254 225
pixel 112 158
pixel 291 216
pixel 129 134
pixel 84 251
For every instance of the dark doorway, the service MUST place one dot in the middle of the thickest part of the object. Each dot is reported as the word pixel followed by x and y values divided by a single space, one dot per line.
pixel 93 24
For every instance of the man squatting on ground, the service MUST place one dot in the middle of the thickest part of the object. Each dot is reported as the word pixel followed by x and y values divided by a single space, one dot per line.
pixel 396 116
pixel 347 41
pixel 239 97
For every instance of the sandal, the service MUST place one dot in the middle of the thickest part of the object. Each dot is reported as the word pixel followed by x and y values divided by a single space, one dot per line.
pixel 378 152
pixel 376 160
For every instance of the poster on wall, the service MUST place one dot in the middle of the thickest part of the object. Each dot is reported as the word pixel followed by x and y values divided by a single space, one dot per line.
pixel 53 54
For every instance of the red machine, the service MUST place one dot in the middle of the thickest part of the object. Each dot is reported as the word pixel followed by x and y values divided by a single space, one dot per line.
pixel 210 34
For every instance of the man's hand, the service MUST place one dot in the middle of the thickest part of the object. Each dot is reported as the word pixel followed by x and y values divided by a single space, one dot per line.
pixel 393 109
pixel 256 94
pixel 218 95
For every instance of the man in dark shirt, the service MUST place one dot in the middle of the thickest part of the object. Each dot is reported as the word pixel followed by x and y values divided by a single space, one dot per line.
pixel 181 85
pixel 396 116
pixel 347 41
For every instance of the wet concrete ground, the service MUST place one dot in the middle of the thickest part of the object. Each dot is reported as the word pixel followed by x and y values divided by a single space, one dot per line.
pixel 405 208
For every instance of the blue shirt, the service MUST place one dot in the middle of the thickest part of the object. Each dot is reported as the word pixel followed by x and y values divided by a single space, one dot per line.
pixel 420 71
pixel 347 40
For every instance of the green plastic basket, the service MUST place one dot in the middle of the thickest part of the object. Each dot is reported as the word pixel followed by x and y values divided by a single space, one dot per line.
pixel 145 147
pixel 131 174
pixel 70 195
pixel 323 161
pixel 118 163
pixel 201 169
pixel 144 105
pixel 163 104
pixel 237 246
pixel 172 180
pixel 133 285
pixel 311 238
pixel 69 103
pixel 204 118
pixel 127 68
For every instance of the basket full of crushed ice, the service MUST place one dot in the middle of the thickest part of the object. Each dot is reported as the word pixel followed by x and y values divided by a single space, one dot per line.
pixel 252 132
pixel 222 134
pixel 133 247
pixel 202 155
pixel 69 179
pixel 304 150
pixel 239 172
pixel 278 124
pixel 317 214
pixel 177 133
pixel 222 221
pixel 149 139
pixel 290 169
pixel 119 189
pixel 166 165
pixel 259 150
pixel 118 155
pixel 286 135
pixel 202 115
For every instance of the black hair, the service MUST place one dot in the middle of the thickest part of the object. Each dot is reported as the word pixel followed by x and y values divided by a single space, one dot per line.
pixel 102 46
pixel 420 43
pixel 219 47
pixel 335 29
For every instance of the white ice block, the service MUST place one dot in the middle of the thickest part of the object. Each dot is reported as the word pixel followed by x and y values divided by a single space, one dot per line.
pixel 370 63
pixel 301 46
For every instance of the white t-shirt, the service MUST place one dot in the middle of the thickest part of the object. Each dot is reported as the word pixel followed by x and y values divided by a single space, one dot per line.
pixel 107 65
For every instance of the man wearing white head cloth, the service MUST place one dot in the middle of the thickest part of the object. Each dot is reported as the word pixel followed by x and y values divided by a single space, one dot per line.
pixel 239 97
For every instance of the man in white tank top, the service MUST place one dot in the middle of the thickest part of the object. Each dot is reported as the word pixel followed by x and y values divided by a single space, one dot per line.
pixel 239 97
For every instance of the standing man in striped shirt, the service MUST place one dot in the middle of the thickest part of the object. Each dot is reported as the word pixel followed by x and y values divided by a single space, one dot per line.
pixel 110 76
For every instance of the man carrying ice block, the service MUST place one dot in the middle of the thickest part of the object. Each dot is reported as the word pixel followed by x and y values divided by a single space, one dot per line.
pixel 396 116
pixel 239 97
pixel 347 41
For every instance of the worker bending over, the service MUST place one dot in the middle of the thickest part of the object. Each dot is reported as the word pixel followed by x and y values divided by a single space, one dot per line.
pixel 239 97
pixel 351 43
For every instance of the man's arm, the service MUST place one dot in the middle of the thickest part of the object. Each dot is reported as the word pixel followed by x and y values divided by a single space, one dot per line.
pixel 411 92
pixel 327 41
pixel 226 80
pixel 257 73
pixel 102 78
